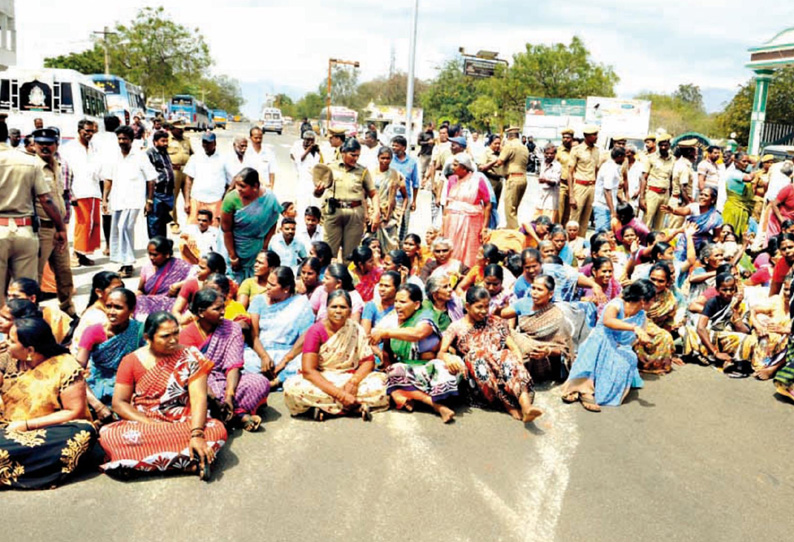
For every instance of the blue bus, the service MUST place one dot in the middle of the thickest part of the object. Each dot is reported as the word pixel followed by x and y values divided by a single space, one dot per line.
pixel 191 109
pixel 124 99
pixel 220 118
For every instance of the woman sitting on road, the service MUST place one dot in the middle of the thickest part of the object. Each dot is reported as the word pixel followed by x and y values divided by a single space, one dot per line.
pixel 412 245
pixel 308 278
pixel 208 264
pixel 59 321
pixel 414 373
pixel 442 263
pixel 237 395
pixel 492 359
pixel 161 278
pixel 658 356
pixel 336 277
pixel 279 320
pixel 322 251
pixel 606 365
pixel 102 284
pixel 43 410
pixel 442 304
pixel 103 346
pixel 161 397
pixel 365 273
pixel 337 368
pixel 770 321
pixel 266 261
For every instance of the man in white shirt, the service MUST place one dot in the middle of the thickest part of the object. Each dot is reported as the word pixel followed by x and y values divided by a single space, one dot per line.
pixel 125 189
pixel 608 181
pixel 199 239
pixel 549 184
pixel 236 160
pixel 289 249
pixel 261 158
pixel 635 169
pixel 305 154
pixel 476 146
pixel 83 159
pixel 311 230
pixel 369 152
pixel 206 178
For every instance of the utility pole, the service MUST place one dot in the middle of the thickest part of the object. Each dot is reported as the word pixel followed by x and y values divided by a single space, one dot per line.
pixel 105 33
pixel 411 62
pixel 332 62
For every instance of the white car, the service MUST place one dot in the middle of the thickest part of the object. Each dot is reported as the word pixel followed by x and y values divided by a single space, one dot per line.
pixel 389 132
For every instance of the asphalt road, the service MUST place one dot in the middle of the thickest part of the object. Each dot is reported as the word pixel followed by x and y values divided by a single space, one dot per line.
pixel 692 456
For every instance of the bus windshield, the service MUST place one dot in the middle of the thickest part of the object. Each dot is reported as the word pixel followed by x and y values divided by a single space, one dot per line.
pixel 110 86
pixel 349 118
pixel 182 100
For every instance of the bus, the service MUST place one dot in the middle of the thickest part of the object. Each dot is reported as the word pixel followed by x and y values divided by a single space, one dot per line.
pixel 341 117
pixel 220 118
pixel 193 110
pixel 271 120
pixel 125 100
pixel 59 97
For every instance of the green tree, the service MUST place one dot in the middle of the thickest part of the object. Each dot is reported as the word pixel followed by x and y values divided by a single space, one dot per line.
pixel 779 105
pixel 389 90
pixel 690 94
pixel 89 61
pixel 309 106
pixel 678 113
pixel 448 96
pixel 286 104
pixel 344 87
pixel 219 92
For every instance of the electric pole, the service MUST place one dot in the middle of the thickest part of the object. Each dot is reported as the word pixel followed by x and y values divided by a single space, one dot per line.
pixel 105 33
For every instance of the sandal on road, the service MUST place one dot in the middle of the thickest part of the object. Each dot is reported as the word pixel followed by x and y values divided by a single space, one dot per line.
pixel 251 423
pixel 589 404
pixel 570 398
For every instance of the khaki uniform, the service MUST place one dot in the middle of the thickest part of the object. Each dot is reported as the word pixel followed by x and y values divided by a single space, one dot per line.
pixel 21 178
pixel 345 227
pixel 496 174
pixel 683 187
pixel 564 210
pixel 514 157
pixel 760 185
pixel 59 260
pixel 584 161
pixel 657 189
pixel 180 152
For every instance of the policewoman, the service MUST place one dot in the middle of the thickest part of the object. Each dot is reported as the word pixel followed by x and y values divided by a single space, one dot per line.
pixel 346 185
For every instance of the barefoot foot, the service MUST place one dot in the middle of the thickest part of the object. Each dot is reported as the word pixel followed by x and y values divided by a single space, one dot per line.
pixel 532 414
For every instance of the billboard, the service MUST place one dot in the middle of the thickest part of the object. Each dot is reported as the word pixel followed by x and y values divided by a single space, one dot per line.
pixel 479 67
pixel 631 118
pixel 545 117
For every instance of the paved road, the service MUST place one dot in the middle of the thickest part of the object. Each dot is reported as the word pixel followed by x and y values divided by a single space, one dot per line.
pixel 693 456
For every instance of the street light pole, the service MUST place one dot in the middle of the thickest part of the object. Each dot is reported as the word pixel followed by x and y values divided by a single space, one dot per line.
pixel 411 66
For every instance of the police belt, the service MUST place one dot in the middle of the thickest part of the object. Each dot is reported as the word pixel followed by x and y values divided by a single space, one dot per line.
pixel 349 204
pixel 19 221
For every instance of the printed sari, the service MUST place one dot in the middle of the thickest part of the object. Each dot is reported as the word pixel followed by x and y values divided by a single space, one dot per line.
pixel 161 394
pixel 657 357
pixel 156 285
pixel 40 458
pixel 106 357
pixel 772 345
pixel 463 216
pixel 224 347
pixel 784 379
pixel 367 283
pixel 538 328
pixel 338 359
pixel 91 316
pixel 388 183
pixel 722 336
pixel 738 208
pixel 495 374
pixel 707 223
pixel 251 225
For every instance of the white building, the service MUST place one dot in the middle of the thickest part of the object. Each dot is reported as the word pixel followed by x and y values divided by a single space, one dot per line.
pixel 8 35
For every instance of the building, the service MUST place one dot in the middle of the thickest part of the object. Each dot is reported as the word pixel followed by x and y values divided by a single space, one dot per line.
pixel 8 35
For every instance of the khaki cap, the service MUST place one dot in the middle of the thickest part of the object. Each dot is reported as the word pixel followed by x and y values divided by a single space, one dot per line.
pixel 322 176
pixel 513 129
pixel 650 137
pixel 767 158
pixel 566 131
pixel 663 137
pixel 336 131
pixel 589 129
pixel 620 138
pixel 692 142
pixel 178 123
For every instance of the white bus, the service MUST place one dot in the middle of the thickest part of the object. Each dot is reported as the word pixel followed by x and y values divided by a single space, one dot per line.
pixel 124 99
pixel 60 98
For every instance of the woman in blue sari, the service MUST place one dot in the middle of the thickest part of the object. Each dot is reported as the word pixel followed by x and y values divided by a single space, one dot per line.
pixel 105 345
pixel 279 319
pixel 248 221
pixel 704 215
pixel 606 365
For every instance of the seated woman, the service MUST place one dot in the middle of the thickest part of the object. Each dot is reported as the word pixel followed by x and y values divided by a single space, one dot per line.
pixel 266 261
pixel 442 263
pixel 44 414
pixel 606 365
pixel 542 334
pixel 705 217
pixel 493 281
pixel 624 220
pixel 336 277
pixel 720 336
pixel 234 310
pixel 381 311
pixel 441 303
pixel 702 277
pixel 492 359
pixel 559 240
pixel 771 322
pixel 279 320
pixel 337 368
pixel 601 270
pixel 208 264
pixel 59 321
pixel 412 245
pixel 397 260
pixel 657 356
pixel 364 272
pixel 531 265
pixel 486 255
pixel 105 345
pixel 322 251
pixel 536 231
pixel 161 278
pixel 413 372
pixel 161 398
pixel 308 277
pixel 102 284
pixel 238 396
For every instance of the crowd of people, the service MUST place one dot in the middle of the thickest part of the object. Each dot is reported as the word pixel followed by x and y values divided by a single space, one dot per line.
pixel 335 301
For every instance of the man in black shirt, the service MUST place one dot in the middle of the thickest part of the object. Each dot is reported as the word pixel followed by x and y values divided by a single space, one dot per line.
pixel 426 141
pixel 160 199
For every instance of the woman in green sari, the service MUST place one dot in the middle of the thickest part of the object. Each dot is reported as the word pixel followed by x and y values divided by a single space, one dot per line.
pixel 413 373
pixel 741 198
pixel 248 220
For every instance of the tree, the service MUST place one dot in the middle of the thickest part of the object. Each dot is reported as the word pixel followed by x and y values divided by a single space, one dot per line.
pixel 779 105
pixel 219 92
pixel 690 94
pixel 390 90
pixel 309 106
pixel 90 61
pixel 344 87
pixel 448 96
pixel 679 112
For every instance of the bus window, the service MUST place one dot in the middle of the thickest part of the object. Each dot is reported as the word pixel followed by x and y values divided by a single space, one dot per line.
pixel 5 94
pixel 67 101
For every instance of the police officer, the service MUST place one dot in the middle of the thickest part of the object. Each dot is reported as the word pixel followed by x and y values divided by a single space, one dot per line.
pixel 582 172
pixel 46 142
pixel 180 151
pixel 655 189
pixel 514 156
pixel 22 178
pixel 563 157
pixel 345 209
pixel 336 138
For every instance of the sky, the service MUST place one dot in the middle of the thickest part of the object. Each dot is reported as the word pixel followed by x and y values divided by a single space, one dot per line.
pixel 284 46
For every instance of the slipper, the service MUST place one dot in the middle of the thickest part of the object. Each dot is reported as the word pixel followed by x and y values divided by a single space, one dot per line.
pixel 251 423
pixel 589 404
pixel 570 398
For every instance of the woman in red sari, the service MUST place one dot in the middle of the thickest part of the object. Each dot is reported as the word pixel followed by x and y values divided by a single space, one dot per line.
pixel 365 272
pixel 467 211
pixel 161 397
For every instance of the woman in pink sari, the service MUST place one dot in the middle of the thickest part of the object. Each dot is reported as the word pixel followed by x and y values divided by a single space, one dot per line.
pixel 161 279
pixel 467 210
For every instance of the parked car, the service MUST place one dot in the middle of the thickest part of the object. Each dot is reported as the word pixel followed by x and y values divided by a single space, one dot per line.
pixel 389 132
